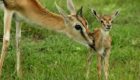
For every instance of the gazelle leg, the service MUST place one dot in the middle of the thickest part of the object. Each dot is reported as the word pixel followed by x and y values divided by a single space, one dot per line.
pixel 99 65
pixel 7 25
pixel 106 63
pixel 88 64
pixel 18 54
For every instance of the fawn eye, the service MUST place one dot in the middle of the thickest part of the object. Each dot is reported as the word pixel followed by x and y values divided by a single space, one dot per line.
pixel 78 27
pixel 101 21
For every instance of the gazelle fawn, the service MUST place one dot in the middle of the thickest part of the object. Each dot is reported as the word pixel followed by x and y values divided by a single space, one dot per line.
pixel 73 25
pixel 102 42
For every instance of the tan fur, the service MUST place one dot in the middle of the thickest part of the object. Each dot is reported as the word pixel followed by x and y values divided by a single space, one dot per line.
pixel 102 46
pixel 32 11
pixel 102 41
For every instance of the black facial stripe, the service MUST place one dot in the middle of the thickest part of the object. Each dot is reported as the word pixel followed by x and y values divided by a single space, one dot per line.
pixel 79 20
pixel 93 45
pixel 83 35
pixel 77 17
pixel 81 31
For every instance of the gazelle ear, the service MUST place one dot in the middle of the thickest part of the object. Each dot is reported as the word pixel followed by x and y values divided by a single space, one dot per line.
pixel 80 12
pixel 95 14
pixel 62 12
pixel 71 7
pixel 115 14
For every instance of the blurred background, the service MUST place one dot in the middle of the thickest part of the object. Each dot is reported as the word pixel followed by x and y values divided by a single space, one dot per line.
pixel 48 55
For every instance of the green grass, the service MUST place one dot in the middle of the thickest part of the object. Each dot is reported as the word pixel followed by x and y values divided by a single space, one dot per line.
pixel 53 56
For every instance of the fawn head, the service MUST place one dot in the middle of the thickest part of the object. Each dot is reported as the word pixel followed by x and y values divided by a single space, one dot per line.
pixel 106 20
pixel 75 23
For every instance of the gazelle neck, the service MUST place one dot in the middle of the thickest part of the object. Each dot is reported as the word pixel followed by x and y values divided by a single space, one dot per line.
pixel 37 14
pixel 104 32
pixel 47 19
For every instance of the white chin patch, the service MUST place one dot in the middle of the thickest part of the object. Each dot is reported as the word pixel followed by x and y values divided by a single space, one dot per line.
pixel 106 29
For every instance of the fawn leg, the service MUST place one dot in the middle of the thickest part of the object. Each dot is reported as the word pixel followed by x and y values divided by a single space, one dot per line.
pixel 99 65
pixel 106 63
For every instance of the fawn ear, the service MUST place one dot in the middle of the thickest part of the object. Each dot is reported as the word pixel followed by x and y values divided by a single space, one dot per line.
pixel 71 7
pixel 62 12
pixel 115 14
pixel 95 14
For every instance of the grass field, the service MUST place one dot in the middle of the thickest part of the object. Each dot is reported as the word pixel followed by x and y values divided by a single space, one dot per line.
pixel 53 56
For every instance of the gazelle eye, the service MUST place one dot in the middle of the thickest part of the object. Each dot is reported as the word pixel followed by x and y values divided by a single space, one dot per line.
pixel 78 27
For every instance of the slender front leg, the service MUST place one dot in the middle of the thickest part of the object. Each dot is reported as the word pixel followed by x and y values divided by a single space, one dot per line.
pixel 88 64
pixel 106 63
pixel 99 65
pixel 7 25
pixel 18 38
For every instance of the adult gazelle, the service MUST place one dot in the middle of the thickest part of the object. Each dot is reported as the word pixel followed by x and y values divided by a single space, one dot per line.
pixel 73 25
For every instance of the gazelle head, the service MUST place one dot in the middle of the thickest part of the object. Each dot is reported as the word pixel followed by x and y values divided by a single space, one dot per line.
pixel 75 24
pixel 106 20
